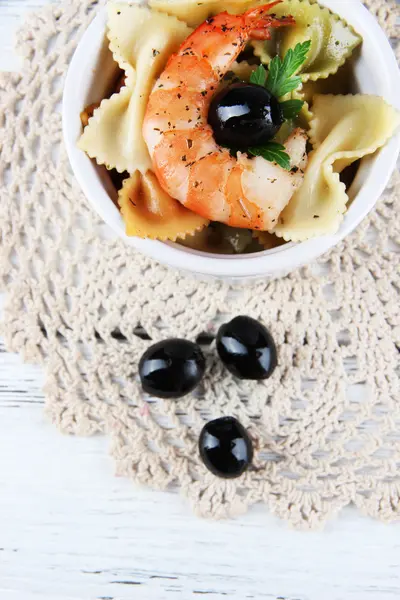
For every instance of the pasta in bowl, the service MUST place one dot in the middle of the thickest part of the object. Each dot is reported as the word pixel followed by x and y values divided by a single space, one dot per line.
pixel 200 187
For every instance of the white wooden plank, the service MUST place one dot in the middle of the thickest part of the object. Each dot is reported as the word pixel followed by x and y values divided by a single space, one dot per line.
pixel 69 530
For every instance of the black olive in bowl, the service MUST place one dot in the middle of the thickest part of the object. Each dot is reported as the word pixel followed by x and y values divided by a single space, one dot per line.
pixel 247 349
pixel 171 368
pixel 225 447
pixel 244 115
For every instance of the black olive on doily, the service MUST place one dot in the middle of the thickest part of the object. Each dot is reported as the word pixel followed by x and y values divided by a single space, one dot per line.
pixel 247 349
pixel 244 115
pixel 225 447
pixel 171 368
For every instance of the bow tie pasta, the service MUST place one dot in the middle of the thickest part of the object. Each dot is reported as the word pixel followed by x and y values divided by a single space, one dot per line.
pixel 158 217
pixel 340 83
pixel 141 42
pixel 339 137
pixel 332 39
pixel 194 12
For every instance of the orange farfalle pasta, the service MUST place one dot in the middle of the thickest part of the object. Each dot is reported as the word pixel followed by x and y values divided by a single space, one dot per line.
pixel 149 212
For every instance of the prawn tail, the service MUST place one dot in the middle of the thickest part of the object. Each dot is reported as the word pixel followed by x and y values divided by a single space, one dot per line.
pixel 259 22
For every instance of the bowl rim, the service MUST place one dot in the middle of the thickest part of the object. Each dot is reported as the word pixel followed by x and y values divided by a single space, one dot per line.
pixel 272 262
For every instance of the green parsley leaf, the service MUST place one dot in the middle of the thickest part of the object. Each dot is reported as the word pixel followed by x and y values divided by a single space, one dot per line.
pixel 273 152
pixel 291 108
pixel 259 76
pixel 295 58
pixel 280 79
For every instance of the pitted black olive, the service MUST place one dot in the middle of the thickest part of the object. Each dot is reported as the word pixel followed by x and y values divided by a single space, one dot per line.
pixel 225 447
pixel 247 348
pixel 172 368
pixel 244 115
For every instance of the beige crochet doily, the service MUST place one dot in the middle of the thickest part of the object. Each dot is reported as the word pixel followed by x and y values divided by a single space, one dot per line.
pixel 326 427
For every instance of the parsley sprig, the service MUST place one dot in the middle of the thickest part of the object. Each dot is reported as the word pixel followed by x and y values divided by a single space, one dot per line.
pixel 259 76
pixel 281 79
pixel 273 152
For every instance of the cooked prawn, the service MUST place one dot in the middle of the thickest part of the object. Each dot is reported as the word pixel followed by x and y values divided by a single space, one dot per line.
pixel 190 166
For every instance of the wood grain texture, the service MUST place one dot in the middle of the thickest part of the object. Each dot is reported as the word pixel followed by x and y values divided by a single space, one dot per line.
pixel 70 530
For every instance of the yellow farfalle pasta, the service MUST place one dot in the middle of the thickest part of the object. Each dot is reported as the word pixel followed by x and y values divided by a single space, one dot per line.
pixel 339 83
pixel 194 12
pixel 149 212
pixel 339 135
pixel 332 39
pixel 141 41
pixel 243 70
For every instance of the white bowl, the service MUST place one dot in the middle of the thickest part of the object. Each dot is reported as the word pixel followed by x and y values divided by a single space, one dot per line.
pixel 89 75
